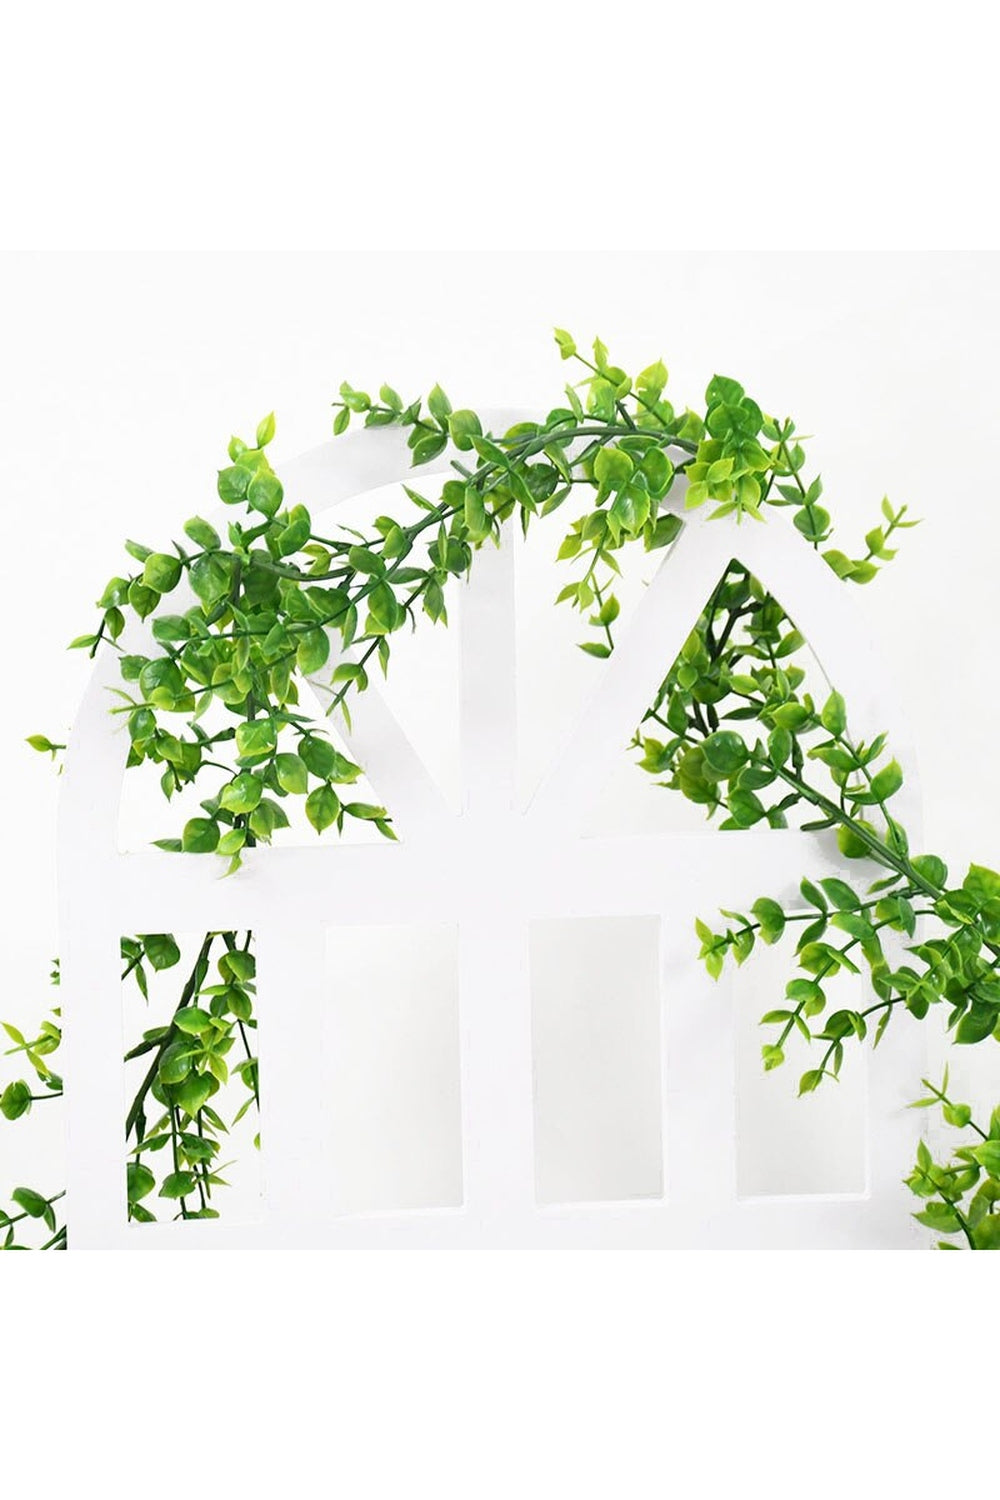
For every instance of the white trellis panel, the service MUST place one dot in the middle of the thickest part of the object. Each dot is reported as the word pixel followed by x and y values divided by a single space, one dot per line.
pixel 533 864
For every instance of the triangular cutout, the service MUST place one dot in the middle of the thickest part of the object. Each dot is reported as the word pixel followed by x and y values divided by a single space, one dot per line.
pixel 741 647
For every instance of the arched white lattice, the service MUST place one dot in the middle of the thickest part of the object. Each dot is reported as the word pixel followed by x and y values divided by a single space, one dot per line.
pixel 491 870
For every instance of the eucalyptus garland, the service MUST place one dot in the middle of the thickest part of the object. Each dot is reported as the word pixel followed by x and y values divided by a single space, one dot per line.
pixel 734 728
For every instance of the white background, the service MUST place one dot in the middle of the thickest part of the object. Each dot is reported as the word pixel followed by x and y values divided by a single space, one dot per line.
pixel 854 126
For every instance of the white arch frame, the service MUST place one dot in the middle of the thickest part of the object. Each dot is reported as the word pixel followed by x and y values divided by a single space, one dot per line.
pixel 540 867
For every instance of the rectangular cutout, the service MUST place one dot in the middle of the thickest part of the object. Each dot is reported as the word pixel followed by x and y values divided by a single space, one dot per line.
pixel 787 1145
pixel 391 1068
pixel 596 1053
pixel 191 1077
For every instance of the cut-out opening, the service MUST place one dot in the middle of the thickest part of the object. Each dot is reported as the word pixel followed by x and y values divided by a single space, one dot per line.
pixel 420 690
pixel 816 1145
pixel 389 1065
pixel 634 800
pixel 597 1059
pixel 145 816
pixel 191 1077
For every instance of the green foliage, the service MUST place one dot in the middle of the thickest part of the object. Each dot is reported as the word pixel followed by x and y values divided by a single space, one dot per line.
pixel 31 1211
pixel 276 602
pixel 960 1196
pixel 191 1068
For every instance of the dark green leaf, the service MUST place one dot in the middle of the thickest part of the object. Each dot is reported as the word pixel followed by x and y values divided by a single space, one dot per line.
pixel 178 1185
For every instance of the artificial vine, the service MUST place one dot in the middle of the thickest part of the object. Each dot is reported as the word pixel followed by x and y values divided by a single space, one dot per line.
pixel 216 700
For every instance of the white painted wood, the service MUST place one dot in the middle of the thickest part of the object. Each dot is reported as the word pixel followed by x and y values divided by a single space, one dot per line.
pixel 490 870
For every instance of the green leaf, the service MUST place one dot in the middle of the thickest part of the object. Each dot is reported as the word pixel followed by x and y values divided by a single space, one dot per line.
pixel 313 651
pixel 161 950
pixel 651 381
pixel 33 1203
pixel 322 807
pixel 463 426
pixel 363 560
pixel 977 1024
pixel 194 1093
pixel 840 894
pixel 210 577
pixel 265 494
pixel 140 1181
pixel 982 884
pixel 242 794
pixel 265 430
pixel 773 1057
pixel 318 755
pixel 834 715
pixel 366 811
pixel 476 518
pixel 987 1233
pixel 931 868
pixel 813 522
pixel 162 572
pixel 631 510
pixel 854 924
pixel 612 468
pixel 178 1185
pixel 267 817
pixel 256 738
pixel 428 447
pixel 175 1064
pixel 291 773
pixel 940 1217
pixel 850 844
pixel 791 716
pixel 354 400
pixel 239 1003
pixel 596 648
pixel 812 895
pixel 439 406
pixel 238 964
pixel 142 598
pixel 15 1100
pixel 170 629
pixel 988 1156
pixel 771 918
pixel 232 484
pixel 887 782
pixel 567 346
pixel 200 836
pixel 725 752
pixel 746 807
pixel 192 1021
